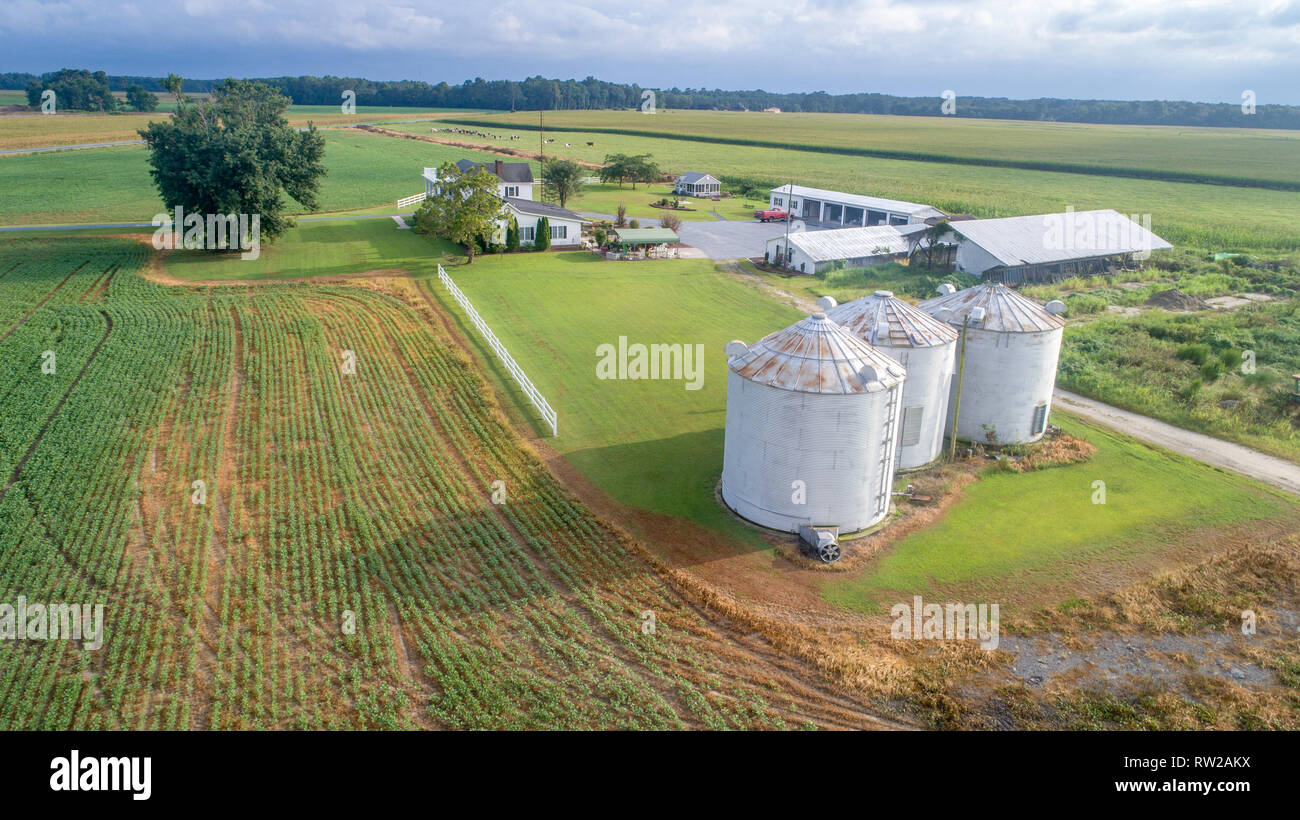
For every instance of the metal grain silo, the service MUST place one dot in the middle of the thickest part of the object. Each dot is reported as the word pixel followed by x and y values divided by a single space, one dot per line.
pixel 925 346
pixel 1006 365
pixel 811 428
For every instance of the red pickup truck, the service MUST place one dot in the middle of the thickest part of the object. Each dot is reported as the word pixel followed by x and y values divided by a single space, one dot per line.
pixel 771 215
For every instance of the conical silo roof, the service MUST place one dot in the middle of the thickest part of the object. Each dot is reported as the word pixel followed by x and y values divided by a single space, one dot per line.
pixel 816 355
pixel 993 306
pixel 884 319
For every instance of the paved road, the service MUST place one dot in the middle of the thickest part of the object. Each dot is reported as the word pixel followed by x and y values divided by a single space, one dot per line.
pixel 45 148
pixel 1224 454
pixel 722 239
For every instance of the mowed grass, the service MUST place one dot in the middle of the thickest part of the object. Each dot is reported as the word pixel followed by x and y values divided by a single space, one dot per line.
pixel 649 444
pixel 604 198
pixel 1028 530
pixel 113 184
pixel 1240 153
pixel 316 249
pixel 1216 217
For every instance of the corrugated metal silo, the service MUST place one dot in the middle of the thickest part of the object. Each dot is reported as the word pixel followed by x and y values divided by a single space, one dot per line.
pixel 812 413
pixel 1006 365
pixel 925 346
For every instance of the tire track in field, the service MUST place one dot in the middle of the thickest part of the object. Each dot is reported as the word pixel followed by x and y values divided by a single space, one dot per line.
pixel 47 297
pixel 605 639
pixel 22 462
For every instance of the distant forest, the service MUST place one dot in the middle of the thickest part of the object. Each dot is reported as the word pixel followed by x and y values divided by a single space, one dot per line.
pixel 541 93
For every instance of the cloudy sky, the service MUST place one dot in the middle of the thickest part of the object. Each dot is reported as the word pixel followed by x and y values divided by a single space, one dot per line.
pixel 1206 50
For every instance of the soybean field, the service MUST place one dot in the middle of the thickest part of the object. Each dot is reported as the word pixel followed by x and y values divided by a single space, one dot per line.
pixel 300 508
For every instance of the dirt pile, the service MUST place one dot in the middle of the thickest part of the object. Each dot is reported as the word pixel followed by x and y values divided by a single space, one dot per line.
pixel 1175 299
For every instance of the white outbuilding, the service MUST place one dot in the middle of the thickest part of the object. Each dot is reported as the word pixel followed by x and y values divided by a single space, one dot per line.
pixel 817 251
pixel 811 428
pixel 844 210
pixel 925 346
pixel 1006 365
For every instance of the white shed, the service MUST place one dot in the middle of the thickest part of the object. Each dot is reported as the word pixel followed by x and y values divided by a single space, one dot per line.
pixel 811 428
pixel 817 251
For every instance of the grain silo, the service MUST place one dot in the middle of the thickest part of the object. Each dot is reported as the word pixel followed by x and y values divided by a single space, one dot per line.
pixel 811 428
pixel 925 346
pixel 1006 364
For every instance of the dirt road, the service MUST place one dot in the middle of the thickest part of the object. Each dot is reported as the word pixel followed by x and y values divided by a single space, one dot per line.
pixel 1223 454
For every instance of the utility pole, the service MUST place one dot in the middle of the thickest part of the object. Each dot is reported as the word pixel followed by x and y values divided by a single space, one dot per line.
pixel 541 155
pixel 789 214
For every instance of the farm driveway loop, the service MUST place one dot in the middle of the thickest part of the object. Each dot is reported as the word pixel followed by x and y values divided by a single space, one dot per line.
pixel 730 240
pixel 1223 454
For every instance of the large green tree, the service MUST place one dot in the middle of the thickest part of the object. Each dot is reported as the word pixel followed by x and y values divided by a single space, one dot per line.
pixel 633 168
pixel 140 99
pixel 464 208
pixel 236 154
pixel 75 89
pixel 563 179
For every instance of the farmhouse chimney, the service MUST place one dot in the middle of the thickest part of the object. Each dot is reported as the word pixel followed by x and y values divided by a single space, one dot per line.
pixel 500 168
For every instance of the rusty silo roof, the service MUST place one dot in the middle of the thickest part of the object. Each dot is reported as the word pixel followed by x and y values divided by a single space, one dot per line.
pixel 816 355
pixel 1003 310
pixel 884 319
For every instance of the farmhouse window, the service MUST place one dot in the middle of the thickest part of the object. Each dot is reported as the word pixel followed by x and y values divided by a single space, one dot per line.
pixel 512 190
pixel 528 234
pixel 559 231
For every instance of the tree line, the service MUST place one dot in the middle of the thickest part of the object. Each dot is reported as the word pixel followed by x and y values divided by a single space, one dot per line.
pixel 540 93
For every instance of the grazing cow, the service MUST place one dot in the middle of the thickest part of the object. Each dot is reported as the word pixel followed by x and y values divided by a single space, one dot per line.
pixel 591 143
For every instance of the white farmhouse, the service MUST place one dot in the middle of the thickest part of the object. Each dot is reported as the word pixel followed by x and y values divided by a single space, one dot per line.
pixel 566 226
pixel 819 206
pixel 514 179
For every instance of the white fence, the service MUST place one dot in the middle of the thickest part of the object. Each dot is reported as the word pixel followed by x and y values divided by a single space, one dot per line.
pixel 411 200
pixel 534 395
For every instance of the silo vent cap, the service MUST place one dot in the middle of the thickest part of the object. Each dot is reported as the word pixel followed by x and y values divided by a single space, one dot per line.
pixel 1055 307
pixel 947 289
pixel 827 303
pixel 884 294
pixel 819 315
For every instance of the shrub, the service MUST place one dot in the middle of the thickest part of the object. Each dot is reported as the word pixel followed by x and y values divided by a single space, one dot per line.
pixel 1197 354
pixel 600 236
pixel 635 223
pixel 1212 370
pixel 1189 390
pixel 1085 304
pixel 622 216
pixel 543 234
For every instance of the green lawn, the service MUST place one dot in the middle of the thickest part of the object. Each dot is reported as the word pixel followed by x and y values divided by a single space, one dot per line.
pixel 322 248
pixel 650 444
pixel 604 198
pixel 113 184
pixel 1042 527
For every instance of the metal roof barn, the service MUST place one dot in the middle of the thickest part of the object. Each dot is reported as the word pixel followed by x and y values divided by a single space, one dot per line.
pixel 1045 246
pixel 1006 365
pixel 925 346
pixel 811 428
